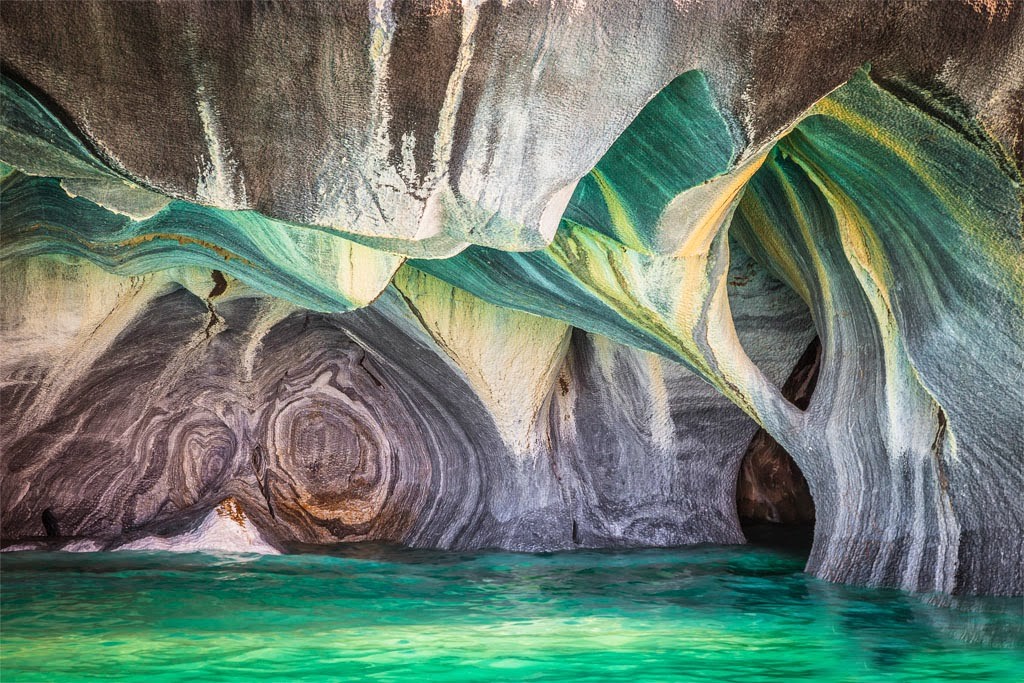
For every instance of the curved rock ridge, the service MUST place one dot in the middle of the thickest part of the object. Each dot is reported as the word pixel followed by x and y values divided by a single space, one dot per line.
pixel 63 199
pixel 510 358
pixel 620 242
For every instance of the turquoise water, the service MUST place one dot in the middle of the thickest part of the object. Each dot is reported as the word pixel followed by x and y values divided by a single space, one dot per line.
pixel 697 614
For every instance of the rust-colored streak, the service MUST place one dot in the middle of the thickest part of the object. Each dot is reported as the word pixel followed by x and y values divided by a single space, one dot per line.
pixel 142 239
pixel 232 509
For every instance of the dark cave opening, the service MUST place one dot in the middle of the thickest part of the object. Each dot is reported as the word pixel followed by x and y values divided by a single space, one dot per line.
pixel 773 500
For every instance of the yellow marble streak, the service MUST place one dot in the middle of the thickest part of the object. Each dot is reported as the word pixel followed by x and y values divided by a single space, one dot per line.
pixel 929 172
pixel 511 358
pixel 694 217
pixel 623 225
pixel 671 299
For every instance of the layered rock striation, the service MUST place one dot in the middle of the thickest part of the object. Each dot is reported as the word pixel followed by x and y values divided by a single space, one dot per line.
pixel 521 275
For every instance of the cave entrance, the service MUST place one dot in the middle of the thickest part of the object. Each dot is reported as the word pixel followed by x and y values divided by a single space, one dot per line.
pixel 773 500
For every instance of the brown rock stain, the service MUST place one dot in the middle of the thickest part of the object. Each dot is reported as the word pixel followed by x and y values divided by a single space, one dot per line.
pixel 231 509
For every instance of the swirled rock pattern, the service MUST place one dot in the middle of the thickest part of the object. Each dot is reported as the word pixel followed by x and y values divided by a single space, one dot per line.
pixel 327 428
pixel 520 275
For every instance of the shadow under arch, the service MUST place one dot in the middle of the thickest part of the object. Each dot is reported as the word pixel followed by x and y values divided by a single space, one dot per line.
pixel 773 500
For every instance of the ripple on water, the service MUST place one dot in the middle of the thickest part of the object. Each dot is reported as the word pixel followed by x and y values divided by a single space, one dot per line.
pixel 378 613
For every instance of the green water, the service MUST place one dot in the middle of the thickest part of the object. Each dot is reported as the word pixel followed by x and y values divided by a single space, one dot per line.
pixel 698 614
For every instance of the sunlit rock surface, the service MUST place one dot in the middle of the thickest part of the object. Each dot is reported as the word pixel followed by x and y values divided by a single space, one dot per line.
pixel 521 275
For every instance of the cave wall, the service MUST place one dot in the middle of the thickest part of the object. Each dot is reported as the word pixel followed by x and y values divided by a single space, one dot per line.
pixel 526 275
pixel 367 425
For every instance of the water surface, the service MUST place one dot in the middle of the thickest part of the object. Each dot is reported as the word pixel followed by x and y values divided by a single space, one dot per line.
pixel 695 614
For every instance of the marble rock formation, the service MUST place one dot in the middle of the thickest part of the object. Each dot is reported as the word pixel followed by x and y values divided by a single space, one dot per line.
pixel 526 275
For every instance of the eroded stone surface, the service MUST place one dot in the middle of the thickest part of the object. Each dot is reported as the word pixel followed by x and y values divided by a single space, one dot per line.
pixel 612 210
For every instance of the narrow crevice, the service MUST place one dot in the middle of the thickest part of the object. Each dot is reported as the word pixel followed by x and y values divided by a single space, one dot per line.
pixel 561 389
pixel 261 468
pixel 220 284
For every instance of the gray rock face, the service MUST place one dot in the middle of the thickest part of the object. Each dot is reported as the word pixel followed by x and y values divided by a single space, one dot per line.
pixel 413 120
